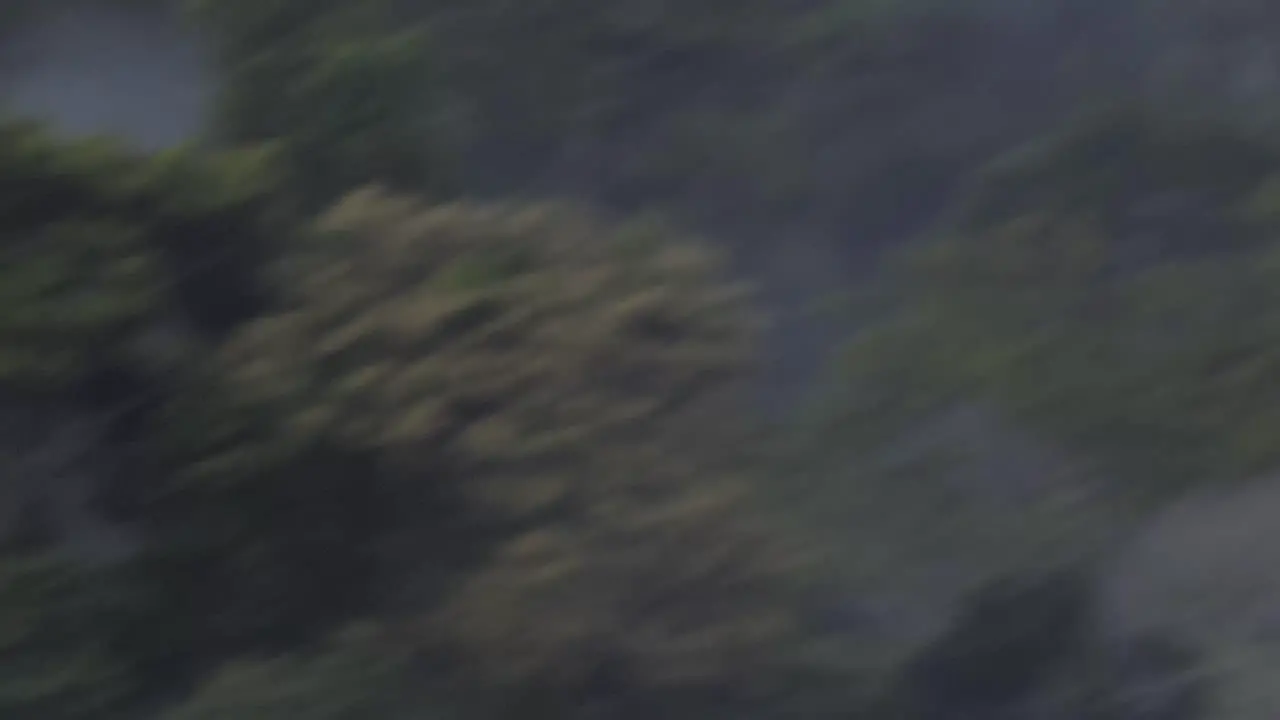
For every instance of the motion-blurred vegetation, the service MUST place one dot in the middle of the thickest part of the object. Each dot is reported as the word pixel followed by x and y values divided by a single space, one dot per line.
pixel 424 385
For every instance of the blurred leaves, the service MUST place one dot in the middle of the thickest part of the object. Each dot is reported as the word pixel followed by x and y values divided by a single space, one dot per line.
pixel 354 676
pixel 511 431
pixel 58 643
pixel 1120 341
pixel 670 580
pixel 490 338
pixel 342 92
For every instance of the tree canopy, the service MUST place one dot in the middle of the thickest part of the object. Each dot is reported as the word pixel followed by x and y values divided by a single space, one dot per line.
pixel 424 383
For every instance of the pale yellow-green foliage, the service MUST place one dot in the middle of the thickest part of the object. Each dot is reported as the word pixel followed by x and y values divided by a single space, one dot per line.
pixel 564 371
pixel 501 341
pixel 671 579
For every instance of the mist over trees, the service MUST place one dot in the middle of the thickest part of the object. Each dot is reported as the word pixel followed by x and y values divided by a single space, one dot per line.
pixel 631 358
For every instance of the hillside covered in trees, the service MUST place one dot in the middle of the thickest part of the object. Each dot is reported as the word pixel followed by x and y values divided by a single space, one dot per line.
pixel 492 360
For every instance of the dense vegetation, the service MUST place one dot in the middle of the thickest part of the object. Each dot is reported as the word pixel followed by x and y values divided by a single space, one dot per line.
pixel 426 384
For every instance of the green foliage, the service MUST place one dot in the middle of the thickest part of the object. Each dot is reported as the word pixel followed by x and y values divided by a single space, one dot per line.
pixel 70 293
pixel 58 655
pixel 345 94
pixel 99 242
pixel 671 580
pixel 257 542
pixel 564 377
pixel 509 421
pixel 355 676
pixel 1142 341
pixel 1132 172
pixel 396 338
pixel 116 265
pixel 637 101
